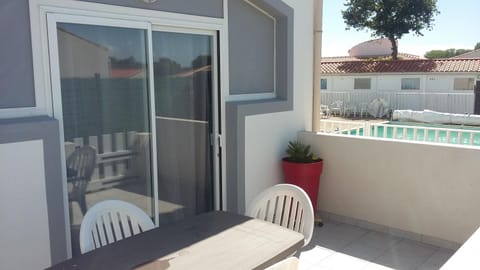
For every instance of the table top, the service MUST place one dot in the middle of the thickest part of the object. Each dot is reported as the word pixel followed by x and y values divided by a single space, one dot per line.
pixel 214 240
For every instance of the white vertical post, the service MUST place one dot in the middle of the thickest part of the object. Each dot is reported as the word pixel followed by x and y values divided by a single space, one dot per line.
pixel 93 141
pixel 107 148
pixel 367 130
pixel 317 57
pixel 119 146
pixel 78 142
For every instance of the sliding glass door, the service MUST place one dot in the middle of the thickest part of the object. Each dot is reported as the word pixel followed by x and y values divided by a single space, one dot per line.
pixel 136 116
pixel 183 93
pixel 103 99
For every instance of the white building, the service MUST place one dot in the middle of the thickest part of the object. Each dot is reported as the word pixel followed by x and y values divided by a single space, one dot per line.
pixel 443 84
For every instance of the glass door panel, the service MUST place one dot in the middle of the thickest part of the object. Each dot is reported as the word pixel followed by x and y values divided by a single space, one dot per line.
pixel 183 94
pixel 105 107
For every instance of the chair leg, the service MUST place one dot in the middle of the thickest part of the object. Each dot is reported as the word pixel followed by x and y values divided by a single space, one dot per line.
pixel 82 203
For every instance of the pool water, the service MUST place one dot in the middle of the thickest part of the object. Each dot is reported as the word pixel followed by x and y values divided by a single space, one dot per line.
pixel 430 134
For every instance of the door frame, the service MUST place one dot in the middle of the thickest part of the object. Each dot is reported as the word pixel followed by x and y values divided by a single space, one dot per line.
pixel 57 106
pixel 215 111
pixel 42 63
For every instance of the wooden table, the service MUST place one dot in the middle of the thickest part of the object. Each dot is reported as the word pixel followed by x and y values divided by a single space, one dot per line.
pixel 214 240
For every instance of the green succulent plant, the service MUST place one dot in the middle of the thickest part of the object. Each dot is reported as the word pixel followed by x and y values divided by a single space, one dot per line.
pixel 300 153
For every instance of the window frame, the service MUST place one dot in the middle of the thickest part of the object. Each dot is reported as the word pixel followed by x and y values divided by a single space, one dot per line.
pixel 410 89
pixel 323 84
pixel 355 87
pixel 469 81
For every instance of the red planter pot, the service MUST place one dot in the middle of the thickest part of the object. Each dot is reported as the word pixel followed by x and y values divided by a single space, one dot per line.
pixel 304 175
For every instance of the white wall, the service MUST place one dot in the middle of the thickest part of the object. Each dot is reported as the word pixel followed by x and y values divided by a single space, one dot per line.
pixel 392 82
pixel 24 233
pixel 267 135
pixel 422 188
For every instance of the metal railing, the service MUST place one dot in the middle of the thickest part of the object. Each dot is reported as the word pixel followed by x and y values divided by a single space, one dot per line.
pixel 426 134
pixel 343 127
pixel 402 132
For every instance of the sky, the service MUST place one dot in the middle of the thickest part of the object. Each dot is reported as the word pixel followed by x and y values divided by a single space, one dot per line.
pixel 457 26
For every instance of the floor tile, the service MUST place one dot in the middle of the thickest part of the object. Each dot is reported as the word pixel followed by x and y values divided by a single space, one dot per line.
pixel 342 261
pixel 375 266
pixel 313 256
pixel 370 246
pixel 338 246
pixel 407 254
pixel 337 237
pixel 439 258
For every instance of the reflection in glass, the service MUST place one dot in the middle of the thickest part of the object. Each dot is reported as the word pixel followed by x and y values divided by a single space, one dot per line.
pixel 183 87
pixel 105 103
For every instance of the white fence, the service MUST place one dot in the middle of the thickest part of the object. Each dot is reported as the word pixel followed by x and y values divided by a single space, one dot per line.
pixel 441 102
pixel 121 157
pixel 402 132
pixel 343 127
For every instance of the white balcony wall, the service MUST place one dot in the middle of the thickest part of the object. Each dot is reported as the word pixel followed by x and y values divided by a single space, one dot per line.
pixel 267 135
pixel 24 232
pixel 426 189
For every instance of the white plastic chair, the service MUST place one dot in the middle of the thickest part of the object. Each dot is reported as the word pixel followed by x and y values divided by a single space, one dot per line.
pixel 337 108
pixel 110 221
pixel 80 166
pixel 325 111
pixel 286 205
pixel 349 109
pixel 363 109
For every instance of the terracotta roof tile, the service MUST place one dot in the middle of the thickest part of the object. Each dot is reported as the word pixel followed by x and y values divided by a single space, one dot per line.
pixel 404 56
pixel 421 65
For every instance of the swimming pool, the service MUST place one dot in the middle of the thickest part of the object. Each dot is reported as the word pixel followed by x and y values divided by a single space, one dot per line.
pixel 451 134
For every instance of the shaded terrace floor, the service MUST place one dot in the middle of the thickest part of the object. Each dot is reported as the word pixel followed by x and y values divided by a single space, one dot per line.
pixel 342 246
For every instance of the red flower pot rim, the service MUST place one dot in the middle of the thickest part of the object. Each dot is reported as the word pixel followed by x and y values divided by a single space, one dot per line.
pixel 286 159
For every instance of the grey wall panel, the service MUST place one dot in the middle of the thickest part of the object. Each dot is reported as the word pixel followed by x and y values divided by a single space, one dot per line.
pixel 209 8
pixel 236 112
pixel 16 68
pixel 251 52
pixel 46 129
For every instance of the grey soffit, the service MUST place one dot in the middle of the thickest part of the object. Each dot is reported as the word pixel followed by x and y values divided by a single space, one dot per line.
pixel 208 8
pixel 45 129
pixel 236 112
pixel 251 49
pixel 16 66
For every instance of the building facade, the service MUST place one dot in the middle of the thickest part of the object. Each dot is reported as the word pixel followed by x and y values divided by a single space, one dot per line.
pixel 174 101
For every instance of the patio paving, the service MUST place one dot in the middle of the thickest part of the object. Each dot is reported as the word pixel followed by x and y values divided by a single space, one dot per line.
pixel 342 246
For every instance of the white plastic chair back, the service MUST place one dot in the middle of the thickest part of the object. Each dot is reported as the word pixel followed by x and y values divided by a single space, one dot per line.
pixel 286 205
pixel 325 111
pixel 81 163
pixel 110 221
pixel 290 263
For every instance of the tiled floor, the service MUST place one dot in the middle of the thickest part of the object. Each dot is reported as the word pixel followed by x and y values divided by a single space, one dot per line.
pixel 338 246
